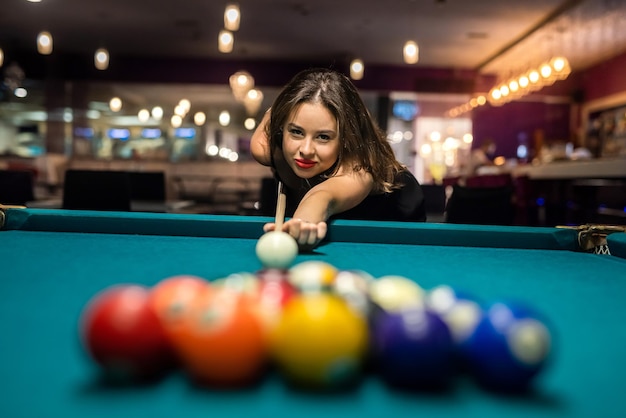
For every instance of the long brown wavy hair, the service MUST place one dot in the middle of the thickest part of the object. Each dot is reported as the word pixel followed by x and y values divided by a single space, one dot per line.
pixel 363 144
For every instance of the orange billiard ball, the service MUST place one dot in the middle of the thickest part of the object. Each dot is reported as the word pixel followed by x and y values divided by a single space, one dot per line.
pixel 221 341
pixel 171 299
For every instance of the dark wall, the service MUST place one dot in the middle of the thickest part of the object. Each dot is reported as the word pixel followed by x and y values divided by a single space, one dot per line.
pixel 517 122
pixel 604 79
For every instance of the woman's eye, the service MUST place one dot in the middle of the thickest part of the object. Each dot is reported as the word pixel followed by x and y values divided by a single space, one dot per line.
pixel 295 132
pixel 324 137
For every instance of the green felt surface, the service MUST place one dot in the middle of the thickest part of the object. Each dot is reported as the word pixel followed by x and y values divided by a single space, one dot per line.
pixel 47 277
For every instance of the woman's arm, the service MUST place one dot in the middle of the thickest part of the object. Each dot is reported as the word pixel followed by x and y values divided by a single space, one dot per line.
pixel 334 195
pixel 259 143
pixel 337 194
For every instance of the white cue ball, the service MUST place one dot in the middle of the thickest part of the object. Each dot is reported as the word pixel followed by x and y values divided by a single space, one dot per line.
pixel 276 249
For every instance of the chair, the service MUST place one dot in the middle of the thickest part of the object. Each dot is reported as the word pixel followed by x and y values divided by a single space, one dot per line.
pixel 97 190
pixel 268 196
pixel 435 201
pixel 481 205
pixel 147 185
pixel 16 187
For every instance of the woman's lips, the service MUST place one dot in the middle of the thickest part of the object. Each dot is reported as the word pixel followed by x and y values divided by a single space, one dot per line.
pixel 305 163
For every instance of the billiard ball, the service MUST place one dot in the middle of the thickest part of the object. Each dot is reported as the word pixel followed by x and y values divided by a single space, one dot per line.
pixel 276 249
pixel 123 334
pixel 320 342
pixel 313 276
pixel 460 311
pixel 510 346
pixel 393 293
pixel 412 348
pixel 354 287
pixel 274 289
pixel 243 282
pixel 222 342
pixel 171 299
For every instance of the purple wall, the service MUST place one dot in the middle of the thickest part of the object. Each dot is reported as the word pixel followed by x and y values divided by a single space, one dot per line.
pixel 517 122
pixel 604 79
pixel 506 124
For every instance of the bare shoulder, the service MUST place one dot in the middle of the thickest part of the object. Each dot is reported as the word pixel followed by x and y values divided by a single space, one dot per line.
pixel 259 143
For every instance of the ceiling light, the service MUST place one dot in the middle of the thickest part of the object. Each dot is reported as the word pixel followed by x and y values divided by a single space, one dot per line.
pixel 252 101
pixel 356 69
pixel 546 71
pixel 101 59
pixel 249 124
pixel 523 81
pixel 232 17
pixel 176 121
pixel 561 67
pixel 180 110
pixel 143 115
pixel 225 41
pixel 115 104
pixel 44 43
pixel 199 118
pixel 411 52
pixel 224 118
pixel 20 92
pixel 185 105
pixel 241 83
pixel 157 113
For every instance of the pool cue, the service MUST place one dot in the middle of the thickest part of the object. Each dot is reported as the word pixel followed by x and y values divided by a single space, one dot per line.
pixel 281 202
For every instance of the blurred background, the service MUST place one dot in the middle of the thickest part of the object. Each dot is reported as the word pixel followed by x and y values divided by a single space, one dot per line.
pixel 178 88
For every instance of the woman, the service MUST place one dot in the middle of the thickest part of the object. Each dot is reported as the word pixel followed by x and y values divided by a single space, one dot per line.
pixel 332 158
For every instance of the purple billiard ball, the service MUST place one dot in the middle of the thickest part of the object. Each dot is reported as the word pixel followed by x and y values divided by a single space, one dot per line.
pixel 509 347
pixel 412 348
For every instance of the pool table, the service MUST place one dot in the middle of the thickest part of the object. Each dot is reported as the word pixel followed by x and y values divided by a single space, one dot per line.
pixel 53 261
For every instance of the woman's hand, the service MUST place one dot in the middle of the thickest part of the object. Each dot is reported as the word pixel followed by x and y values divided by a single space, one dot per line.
pixel 308 235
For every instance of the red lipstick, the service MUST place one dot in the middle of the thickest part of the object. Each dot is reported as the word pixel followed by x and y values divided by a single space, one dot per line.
pixel 305 163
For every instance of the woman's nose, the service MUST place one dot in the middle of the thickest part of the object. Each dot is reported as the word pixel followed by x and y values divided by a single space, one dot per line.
pixel 307 148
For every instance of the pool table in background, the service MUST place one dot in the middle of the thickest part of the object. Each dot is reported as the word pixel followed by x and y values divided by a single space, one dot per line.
pixel 53 261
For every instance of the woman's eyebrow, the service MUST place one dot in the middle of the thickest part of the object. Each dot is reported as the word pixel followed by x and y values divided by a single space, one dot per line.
pixel 321 131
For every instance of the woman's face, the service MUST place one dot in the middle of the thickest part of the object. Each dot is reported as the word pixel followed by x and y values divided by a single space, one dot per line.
pixel 310 140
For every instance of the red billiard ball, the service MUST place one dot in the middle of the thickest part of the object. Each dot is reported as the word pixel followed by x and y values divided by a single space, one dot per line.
pixel 222 341
pixel 274 292
pixel 122 333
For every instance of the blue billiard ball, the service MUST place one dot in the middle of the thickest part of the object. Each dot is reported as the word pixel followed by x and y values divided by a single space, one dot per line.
pixel 509 347
pixel 412 348
pixel 460 311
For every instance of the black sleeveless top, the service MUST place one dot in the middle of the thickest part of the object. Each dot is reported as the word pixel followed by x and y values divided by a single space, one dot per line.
pixel 403 204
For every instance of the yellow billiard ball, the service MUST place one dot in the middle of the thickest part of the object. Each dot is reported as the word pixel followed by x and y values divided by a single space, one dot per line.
pixel 320 341
pixel 395 293
pixel 313 276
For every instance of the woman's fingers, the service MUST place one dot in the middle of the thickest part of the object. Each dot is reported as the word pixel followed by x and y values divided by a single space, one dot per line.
pixel 307 234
